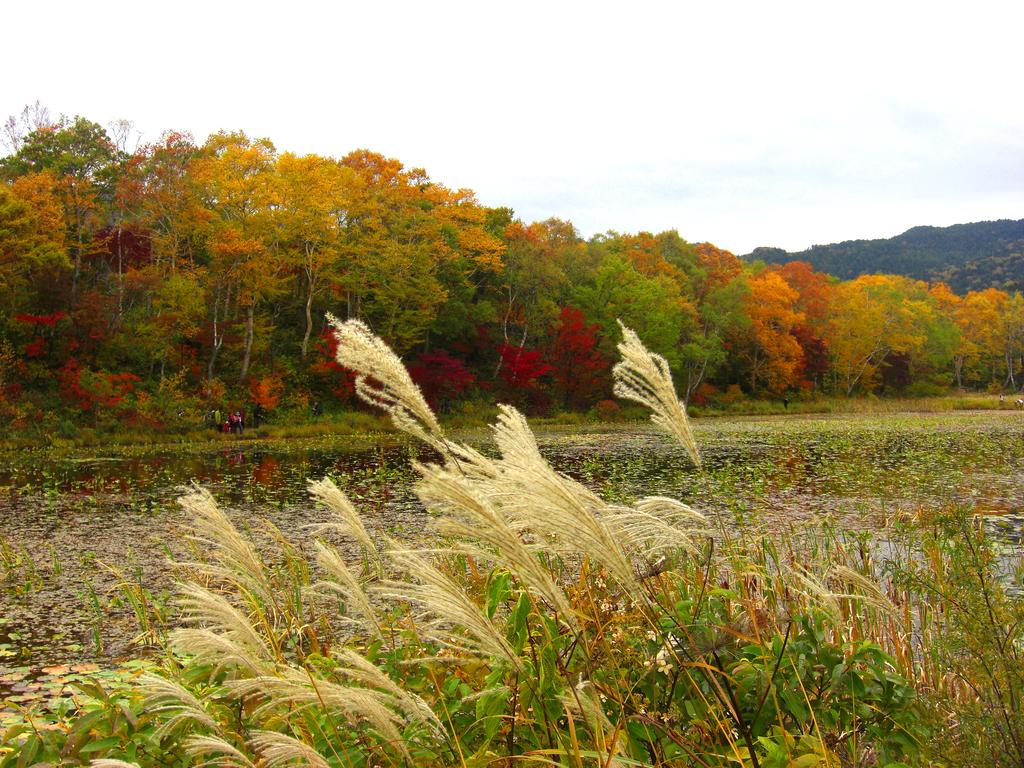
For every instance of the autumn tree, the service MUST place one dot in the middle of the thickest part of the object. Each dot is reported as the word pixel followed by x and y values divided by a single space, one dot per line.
pixel 411 246
pixel 83 160
pixel 521 370
pixel 873 316
pixel 471 266
pixel 579 370
pixel 315 196
pixel 235 174
pixel 170 316
pixel 773 355
pixel 654 307
pixel 714 268
pixel 813 292
pixel 31 238
pixel 441 376
pixel 170 206
pixel 942 337
pixel 534 281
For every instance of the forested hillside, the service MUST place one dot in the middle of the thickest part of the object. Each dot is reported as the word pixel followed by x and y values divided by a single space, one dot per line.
pixel 146 288
pixel 966 256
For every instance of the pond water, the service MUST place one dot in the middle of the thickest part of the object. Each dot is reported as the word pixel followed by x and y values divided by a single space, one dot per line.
pixel 74 527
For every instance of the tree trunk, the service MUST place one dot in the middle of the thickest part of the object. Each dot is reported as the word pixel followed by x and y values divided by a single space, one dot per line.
pixel 120 268
pixel 309 316
pixel 694 378
pixel 215 342
pixel 249 315
pixel 78 268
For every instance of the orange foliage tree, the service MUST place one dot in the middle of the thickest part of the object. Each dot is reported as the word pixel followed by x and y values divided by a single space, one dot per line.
pixel 773 354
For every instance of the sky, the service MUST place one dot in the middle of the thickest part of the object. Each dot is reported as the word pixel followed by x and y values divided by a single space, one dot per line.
pixel 743 124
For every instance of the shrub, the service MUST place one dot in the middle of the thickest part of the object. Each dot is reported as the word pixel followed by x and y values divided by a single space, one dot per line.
pixel 607 410
pixel 732 395
pixel 67 429
pixel 926 389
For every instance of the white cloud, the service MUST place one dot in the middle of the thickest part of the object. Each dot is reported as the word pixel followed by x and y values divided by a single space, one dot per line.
pixel 743 123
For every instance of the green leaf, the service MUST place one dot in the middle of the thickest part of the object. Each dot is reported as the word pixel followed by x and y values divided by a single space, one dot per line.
pixel 518 622
pixel 498 590
pixel 806 761
pixel 490 708
pixel 101 745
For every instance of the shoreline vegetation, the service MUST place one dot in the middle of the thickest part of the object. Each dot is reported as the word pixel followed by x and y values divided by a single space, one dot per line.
pixel 547 624
pixel 370 428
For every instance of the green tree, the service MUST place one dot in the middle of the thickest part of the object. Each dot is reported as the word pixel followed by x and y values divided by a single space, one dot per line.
pixel 654 307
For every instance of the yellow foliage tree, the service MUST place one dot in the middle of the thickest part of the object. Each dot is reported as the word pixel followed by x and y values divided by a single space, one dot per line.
pixel 873 316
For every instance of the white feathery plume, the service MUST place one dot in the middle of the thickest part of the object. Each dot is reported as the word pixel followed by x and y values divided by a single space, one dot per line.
pixel 226 754
pixel 539 499
pixel 446 604
pixel 655 525
pixel 521 456
pixel 109 763
pixel 644 377
pixel 204 609
pixel 470 462
pixel 646 535
pixel 209 647
pixel 239 561
pixel 467 516
pixel 382 380
pixel 326 492
pixel 294 690
pixel 277 749
pixel 670 510
pixel 169 697
pixel 583 701
pixel 814 590
pixel 361 670
pixel 868 590
pixel 345 583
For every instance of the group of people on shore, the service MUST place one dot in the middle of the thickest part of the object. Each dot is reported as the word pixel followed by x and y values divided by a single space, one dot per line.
pixel 233 421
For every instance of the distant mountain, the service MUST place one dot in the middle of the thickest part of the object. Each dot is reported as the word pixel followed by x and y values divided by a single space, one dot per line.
pixel 967 256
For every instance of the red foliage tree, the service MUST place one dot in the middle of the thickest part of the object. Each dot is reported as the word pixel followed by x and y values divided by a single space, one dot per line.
pixel 813 289
pixel 579 370
pixel 338 379
pixel 266 391
pixel 520 371
pixel 36 347
pixel 441 376
pixel 815 361
pixel 41 321
pixel 95 392
pixel 124 247
pixel 521 367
